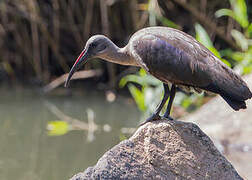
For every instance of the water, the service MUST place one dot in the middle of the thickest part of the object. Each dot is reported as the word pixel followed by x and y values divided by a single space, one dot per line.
pixel 26 150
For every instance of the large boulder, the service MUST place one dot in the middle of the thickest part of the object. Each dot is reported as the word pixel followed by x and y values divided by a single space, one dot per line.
pixel 163 150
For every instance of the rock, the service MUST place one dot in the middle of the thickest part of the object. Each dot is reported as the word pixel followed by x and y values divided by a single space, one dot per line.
pixel 163 150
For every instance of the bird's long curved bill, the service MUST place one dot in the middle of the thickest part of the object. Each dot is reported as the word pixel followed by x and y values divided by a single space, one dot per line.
pixel 81 59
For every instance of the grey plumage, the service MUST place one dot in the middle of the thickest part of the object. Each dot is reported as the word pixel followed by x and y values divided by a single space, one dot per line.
pixel 174 57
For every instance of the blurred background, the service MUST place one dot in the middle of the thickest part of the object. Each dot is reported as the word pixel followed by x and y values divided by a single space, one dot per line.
pixel 50 132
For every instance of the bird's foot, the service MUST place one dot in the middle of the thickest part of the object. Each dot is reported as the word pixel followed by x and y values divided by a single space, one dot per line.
pixel 168 117
pixel 153 117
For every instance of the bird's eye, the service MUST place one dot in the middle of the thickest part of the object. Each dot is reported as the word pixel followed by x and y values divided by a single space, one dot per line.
pixel 101 47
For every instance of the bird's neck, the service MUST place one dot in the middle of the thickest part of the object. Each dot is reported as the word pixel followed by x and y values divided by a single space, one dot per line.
pixel 119 56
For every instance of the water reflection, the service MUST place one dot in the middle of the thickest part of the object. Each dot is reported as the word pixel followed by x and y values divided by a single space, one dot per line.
pixel 27 152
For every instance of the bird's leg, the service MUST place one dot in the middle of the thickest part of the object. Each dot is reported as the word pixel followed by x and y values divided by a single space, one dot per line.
pixel 172 95
pixel 155 115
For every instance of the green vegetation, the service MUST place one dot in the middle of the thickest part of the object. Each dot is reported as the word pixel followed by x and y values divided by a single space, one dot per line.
pixel 242 60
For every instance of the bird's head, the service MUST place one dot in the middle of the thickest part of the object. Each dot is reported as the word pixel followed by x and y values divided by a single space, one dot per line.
pixel 96 46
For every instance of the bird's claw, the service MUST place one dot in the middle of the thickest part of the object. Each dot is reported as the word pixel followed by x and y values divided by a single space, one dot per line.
pixel 153 117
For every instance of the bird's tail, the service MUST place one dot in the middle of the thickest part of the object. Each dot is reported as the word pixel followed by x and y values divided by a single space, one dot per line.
pixel 235 104
pixel 235 97
pixel 236 94
pixel 230 86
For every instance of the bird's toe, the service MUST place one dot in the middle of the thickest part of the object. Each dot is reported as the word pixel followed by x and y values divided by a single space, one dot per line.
pixel 153 117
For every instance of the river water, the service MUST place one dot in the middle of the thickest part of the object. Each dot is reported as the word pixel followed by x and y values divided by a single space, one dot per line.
pixel 28 152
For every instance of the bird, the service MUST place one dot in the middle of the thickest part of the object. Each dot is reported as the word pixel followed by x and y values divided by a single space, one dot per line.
pixel 176 59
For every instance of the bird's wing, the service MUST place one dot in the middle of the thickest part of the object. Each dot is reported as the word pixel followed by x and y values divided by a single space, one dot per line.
pixel 168 62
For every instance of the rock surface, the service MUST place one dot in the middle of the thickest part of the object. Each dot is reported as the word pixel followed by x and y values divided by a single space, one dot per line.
pixel 163 150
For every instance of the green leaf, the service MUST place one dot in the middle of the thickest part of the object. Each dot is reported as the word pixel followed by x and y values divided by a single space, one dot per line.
pixel 249 31
pixel 226 62
pixel 57 128
pixel 240 39
pixel 122 137
pixel 123 82
pixel 238 56
pixel 186 102
pixel 247 69
pixel 240 11
pixel 131 78
pixel 215 51
pixel 226 52
pixel 167 22
pixel 202 36
pixel 224 12
pixel 142 72
pixel 138 96
pixel 142 80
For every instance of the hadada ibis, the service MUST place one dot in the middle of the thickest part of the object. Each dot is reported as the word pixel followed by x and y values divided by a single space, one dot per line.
pixel 173 57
